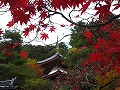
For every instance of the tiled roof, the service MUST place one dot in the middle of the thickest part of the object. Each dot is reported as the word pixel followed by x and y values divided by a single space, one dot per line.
pixel 50 58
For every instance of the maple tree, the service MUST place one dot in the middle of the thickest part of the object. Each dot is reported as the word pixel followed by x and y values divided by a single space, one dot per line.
pixel 103 33
pixel 23 11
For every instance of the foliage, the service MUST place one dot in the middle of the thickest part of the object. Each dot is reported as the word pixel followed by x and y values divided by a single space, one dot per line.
pixel 22 72
pixel 107 43
pixel 77 38
pixel 103 33
pixel 106 50
pixel 88 64
pixel 37 84
pixel 17 64
pixel 11 48
pixel 40 52
pixel 102 80
pixel 77 56
pixel 32 63
pixel 43 52
pixel 13 35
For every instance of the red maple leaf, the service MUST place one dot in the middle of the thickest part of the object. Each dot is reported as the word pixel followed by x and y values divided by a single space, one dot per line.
pixel 7 46
pixel 44 36
pixel 39 5
pixel 11 23
pixel 7 53
pixel 23 54
pixel 30 9
pixel 43 24
pixel 95 57
pixel 92 57
pixel 114 34
pixel 1 32
pixel 85 62
pixel 88 34
pixel 52 29
pixel 58 4
pixel 15 45
pixel 100 42
pixel 31 26
pixel 43 15
pixel 103 11
pixel 26 32
pixel 85 6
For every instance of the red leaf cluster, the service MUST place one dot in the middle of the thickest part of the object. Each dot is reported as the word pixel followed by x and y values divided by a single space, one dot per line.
pixel 44 15
pixel 23 54
pixel 19 15
pixel 88 34
pixel 103 10
pixel 15 45
pixel 7 53
pixel 11 23
pixel 28 29
pixel 84 7
pixel 1 32
pixel 44 36
pixel 106 51
pixel 63 4
pixel 52 29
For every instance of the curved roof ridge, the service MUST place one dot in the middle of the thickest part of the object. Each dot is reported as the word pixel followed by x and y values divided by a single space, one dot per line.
pixel 48 59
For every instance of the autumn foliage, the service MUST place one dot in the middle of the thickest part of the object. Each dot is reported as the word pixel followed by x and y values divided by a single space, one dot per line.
pixel 104 34
pixel 106 54
pixel 32 63
pixel 102 80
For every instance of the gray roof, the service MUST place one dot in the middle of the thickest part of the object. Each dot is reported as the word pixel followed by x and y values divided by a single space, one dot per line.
pixel 50 58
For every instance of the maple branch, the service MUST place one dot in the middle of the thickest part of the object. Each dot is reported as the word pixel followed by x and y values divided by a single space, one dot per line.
pixel 32 39
pixel 65 36
pixel 70 14
pixel 95 25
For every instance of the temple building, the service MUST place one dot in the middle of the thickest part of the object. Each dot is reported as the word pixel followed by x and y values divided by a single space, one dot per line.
pixel 55 66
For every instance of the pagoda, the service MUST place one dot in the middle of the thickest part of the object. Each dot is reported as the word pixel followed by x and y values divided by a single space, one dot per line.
pixel 54 65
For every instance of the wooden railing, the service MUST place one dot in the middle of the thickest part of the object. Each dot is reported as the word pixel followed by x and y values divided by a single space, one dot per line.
pixel 8 84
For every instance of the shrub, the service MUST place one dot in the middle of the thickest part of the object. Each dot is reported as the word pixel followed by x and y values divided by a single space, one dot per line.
pixel 37 84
